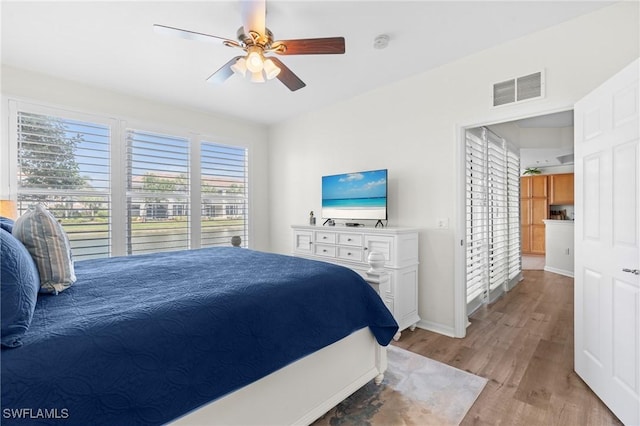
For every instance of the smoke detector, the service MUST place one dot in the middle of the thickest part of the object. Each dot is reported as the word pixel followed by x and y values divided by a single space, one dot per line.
pixel 381 41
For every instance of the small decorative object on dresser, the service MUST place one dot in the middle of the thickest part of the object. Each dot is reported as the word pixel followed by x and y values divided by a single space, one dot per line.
pixel 376 260
pixel 354 246
pixel 236 241
pixel 312 219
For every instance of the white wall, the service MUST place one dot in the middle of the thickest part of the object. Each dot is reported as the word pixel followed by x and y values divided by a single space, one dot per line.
pixel 45 90
pixel 412 128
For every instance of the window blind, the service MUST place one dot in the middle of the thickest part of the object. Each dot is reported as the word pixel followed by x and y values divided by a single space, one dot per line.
pixel 65 164
pixel 120 190
pixel 513 209
pixel 492 214
pixel 157 192
pixel 224 174
pixel 476 215
pixel 498 226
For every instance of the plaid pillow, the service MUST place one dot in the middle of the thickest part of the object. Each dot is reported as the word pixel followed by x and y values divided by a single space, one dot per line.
pixel 49 246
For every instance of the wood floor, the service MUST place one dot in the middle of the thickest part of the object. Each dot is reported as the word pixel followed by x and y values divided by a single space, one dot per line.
pixel 522 343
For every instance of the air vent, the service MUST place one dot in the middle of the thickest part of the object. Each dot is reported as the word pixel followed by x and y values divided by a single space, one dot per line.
pixel 565 159
pixel 518 89
pixel 504 93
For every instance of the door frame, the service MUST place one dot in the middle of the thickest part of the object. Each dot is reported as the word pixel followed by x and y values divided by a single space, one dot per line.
pixel 460 285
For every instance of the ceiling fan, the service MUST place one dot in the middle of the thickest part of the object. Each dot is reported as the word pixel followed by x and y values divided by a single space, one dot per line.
pixel 257 41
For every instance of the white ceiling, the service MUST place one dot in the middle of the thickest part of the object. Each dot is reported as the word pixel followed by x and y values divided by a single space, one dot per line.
pixel 544 141
pixel 112 45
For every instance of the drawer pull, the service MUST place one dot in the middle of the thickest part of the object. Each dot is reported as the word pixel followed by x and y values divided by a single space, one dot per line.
pixel 348 254
pixel 324 250
pixel 324 238
pixel 348 239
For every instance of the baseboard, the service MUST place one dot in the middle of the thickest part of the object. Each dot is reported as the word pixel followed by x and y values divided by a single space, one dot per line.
pixel 559 271
pixel 435 327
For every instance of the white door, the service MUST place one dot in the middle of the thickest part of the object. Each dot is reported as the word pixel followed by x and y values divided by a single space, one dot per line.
pixel 607 235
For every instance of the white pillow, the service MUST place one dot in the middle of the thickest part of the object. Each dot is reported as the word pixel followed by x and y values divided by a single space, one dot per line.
pixel 49 246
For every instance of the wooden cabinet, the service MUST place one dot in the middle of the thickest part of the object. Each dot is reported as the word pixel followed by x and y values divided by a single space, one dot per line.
pixel 561 189
pixel 350 247
pixel 537 193
pixel 534 209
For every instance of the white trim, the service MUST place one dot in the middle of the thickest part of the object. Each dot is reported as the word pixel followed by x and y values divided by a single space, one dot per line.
pixel 119 196
pixel 559 271
pixel 460 273
pixel 436 328
pixel 195 201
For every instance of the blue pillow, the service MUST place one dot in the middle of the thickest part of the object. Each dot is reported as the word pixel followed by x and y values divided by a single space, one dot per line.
pixel 19 284
pixel 6 224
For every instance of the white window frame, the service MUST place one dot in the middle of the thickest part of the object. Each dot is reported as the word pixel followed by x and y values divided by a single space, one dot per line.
pixel 119 126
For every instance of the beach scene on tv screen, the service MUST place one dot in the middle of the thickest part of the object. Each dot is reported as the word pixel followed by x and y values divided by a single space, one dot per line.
pixel 361 195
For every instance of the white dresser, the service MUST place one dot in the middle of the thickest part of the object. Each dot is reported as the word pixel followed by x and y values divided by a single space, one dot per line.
pixel 350 247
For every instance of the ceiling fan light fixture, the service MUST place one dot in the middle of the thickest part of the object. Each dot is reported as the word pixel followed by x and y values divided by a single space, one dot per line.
pixel 257 77
pixel 255 61
pixel 271 70
pixel 240 67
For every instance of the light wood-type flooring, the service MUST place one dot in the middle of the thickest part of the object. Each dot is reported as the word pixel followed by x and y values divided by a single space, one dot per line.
pixel 522 343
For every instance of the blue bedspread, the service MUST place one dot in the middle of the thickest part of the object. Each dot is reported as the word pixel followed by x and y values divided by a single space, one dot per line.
pixel 145 339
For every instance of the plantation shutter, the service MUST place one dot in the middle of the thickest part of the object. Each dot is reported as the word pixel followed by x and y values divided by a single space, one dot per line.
pixel 476 215
pixel 492 215
pixel 157 192
pixel 498 229
pixel 513 209
pixel 65 164
pixel 224 174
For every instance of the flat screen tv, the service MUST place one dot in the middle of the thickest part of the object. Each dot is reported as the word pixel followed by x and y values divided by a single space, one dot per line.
pixel 353 196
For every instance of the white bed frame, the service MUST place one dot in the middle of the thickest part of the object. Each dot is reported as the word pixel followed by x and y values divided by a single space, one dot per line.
pixel 303 391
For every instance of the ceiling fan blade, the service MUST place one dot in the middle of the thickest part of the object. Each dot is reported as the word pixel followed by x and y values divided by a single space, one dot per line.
pixel 312 46
pixel 253 16
pixel 223 73
pixel 189 35
pixel 287 77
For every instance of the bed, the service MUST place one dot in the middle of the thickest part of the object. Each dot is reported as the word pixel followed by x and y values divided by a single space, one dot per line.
pixel 218 336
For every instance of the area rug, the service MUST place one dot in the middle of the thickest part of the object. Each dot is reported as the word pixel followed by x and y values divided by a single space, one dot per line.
pixel 415 391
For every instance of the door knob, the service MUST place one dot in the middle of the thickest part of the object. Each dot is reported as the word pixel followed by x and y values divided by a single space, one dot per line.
pixel 632 271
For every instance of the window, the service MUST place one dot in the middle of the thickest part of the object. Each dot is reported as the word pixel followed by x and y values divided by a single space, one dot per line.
pixel 119 190
pixel 157 182
pixel 64 164
pixel 224 193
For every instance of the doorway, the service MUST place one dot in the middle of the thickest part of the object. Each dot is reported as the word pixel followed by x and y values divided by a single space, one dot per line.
pixel 544 142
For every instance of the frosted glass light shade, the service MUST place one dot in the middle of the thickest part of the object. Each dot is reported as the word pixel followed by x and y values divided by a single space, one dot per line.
pixel 257 77
pixel 240 67
pixel 270 69
pixel 254 62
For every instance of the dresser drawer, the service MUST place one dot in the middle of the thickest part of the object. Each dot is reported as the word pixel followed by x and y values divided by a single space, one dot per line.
pixel 350 253
pixel 350 240
pixel 325 250
pixel 325 237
